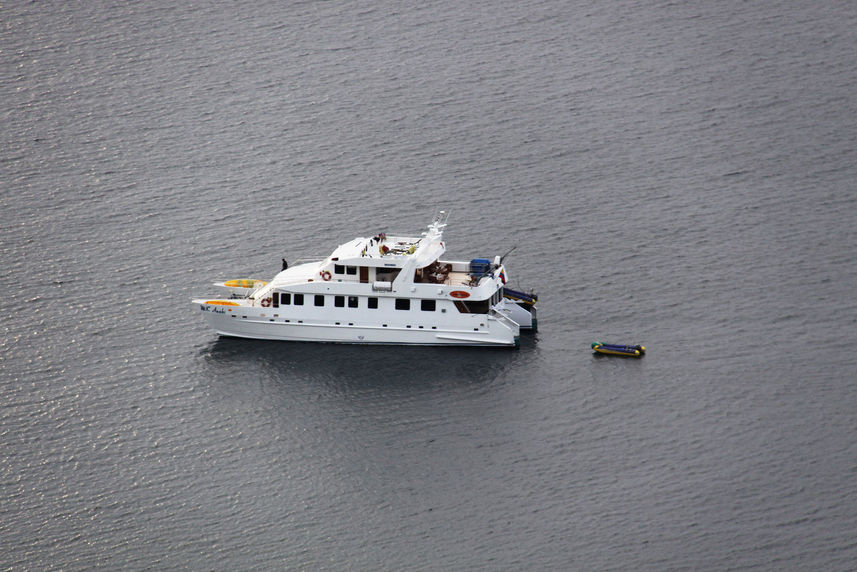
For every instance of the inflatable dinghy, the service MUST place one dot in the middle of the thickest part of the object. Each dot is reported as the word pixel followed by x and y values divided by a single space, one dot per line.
pixel 618 350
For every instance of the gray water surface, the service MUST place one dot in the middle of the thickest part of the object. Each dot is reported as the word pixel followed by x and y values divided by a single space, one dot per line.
pixel 677 175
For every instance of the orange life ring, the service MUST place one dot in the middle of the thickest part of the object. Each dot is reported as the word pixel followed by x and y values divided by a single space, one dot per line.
pixel 325 275
pixel 266 302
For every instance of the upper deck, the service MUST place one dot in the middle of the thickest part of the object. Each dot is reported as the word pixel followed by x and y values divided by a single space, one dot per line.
pixel 393 251
pixel 389 263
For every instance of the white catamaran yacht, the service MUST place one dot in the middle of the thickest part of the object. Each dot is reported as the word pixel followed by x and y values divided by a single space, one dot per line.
pixel 379 290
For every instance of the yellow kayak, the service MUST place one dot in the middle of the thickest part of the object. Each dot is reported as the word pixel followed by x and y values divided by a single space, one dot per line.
pixel 244 283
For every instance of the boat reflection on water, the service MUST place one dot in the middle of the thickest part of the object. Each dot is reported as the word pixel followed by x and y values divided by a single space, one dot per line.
pixel 342 367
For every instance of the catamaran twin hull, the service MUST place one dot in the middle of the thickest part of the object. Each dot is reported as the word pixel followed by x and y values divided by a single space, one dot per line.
pixel 378 290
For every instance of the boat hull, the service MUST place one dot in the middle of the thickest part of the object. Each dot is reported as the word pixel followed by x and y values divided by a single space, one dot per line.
pixel 486 330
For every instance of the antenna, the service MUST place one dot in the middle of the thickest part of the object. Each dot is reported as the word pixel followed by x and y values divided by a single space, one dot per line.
pixel 508 252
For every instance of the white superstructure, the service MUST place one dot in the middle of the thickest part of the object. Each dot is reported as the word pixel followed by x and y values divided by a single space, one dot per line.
pixel 378 290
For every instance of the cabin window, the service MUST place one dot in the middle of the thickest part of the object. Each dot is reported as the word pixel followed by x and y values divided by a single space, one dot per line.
pixel 299 299
pixel 339 301
pixel 386 274
pixel 476 307
pixel 275 300
pixel 351 270
pixel 403 304
pixel 352 301
pixel 373 303
pixel 319 299
pixel 428 305
pixel 338 269
pixel 285 298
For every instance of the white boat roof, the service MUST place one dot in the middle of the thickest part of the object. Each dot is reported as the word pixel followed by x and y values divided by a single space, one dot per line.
pixel 369 252
pixel 380 251
pixel 393 251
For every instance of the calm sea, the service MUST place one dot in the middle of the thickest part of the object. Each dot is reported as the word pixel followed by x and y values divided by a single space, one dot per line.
pixel 677 174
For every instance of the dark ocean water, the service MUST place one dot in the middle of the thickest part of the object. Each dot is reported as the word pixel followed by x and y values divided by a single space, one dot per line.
pixel 675 174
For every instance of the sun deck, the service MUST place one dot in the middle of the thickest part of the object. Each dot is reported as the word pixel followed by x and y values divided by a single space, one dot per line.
pixel 442 273
pixel 378 246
